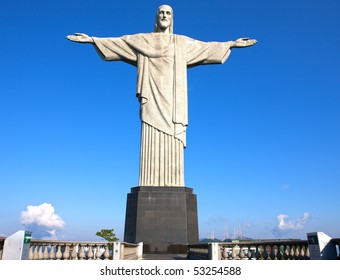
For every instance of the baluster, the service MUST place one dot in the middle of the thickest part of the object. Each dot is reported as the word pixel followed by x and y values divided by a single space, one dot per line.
pixel 31 253
pixel 81 254
pixel 40 252
pixel 94 250
pixel 302 253
pixel 292 253
pixel 74 252
pixel 36 253
pixel 234 254
pixel 280 252
pixel 266 253
pixel 45 254
pixel 274 252
pixel 106 252
pixel 53 249
pixel 242 254
pixel 90 253
pixel 99 252
pixel 286 252
pixel 260 251
pixel 307 255
pixel 58 253
pixel 250 254
pixel 66 254
pixel 297 252
pixel 225 254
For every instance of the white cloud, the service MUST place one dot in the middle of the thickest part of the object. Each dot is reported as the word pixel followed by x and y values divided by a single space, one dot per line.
pixel 42 215
pixel 284 224
pixel 52 233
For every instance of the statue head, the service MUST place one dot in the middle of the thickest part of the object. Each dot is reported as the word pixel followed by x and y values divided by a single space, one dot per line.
pixel 164 19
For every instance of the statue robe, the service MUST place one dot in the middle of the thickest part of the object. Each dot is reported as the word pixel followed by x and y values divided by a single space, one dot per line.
pixel 162 61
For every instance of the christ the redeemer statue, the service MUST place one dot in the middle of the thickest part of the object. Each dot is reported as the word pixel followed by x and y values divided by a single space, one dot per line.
pixel 162 59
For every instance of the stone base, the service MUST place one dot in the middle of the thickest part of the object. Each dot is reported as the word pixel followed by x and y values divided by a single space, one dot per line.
pixel 161 217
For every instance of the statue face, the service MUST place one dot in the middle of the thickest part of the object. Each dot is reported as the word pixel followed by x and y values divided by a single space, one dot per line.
pixel 164 17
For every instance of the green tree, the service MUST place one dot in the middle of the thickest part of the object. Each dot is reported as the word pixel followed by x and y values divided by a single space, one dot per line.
pixel 108 235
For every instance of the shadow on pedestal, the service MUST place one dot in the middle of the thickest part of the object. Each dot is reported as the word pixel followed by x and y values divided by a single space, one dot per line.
pixel 164 218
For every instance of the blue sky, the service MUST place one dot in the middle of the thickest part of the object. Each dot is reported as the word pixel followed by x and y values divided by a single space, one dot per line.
pixel 263 152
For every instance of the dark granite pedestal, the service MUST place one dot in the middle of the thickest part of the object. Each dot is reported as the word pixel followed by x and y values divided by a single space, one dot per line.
pixel 163 218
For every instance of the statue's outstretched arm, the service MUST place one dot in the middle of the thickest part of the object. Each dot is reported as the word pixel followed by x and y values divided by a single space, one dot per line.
pixel 80 38
pixel 243 42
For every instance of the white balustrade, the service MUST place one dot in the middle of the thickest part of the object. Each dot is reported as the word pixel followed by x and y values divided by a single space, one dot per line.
pixel 64 250
pixel 252 250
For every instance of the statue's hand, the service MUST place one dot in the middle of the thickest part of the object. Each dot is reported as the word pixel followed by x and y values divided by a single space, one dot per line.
pixel 244 42
pixel 80 38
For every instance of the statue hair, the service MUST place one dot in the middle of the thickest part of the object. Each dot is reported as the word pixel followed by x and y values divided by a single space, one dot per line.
pixel 171 27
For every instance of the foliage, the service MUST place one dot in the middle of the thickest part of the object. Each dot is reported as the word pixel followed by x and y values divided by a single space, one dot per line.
pixel 108 235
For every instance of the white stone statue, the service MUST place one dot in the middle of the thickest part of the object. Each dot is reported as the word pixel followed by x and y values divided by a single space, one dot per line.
pixel 162 59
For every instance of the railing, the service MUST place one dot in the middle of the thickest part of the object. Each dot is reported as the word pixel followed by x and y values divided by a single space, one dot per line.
pixel 251 250
pixel 70 250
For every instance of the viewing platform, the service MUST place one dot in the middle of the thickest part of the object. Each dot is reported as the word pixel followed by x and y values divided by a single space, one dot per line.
pixel 274 249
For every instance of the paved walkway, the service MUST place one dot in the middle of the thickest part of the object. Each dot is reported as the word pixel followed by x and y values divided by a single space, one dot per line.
pixel 164 257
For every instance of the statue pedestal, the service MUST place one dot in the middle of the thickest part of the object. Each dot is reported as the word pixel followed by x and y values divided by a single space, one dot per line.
pixel 163 218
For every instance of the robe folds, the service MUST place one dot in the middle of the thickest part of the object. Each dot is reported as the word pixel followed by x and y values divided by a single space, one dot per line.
pixel 162 61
